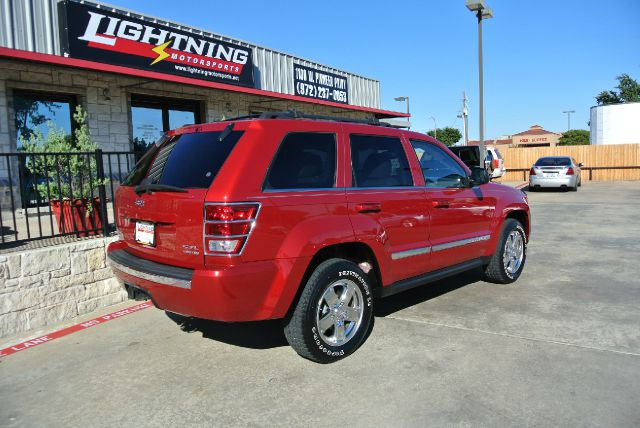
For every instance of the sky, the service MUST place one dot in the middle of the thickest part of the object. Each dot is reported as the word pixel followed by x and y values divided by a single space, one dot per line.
pixel 540 58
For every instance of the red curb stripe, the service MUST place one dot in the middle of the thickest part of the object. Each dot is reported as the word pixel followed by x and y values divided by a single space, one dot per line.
pixel 522 185
pixel 74 328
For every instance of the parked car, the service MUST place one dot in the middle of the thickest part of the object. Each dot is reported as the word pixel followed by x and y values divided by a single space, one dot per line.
pixel 555 171
pixel 307 220
pixel 497 162
pixel 471 157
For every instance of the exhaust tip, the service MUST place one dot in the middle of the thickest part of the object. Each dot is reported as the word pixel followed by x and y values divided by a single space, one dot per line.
pixel 136 293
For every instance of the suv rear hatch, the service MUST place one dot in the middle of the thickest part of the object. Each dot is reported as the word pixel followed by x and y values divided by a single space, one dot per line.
pixel 160 205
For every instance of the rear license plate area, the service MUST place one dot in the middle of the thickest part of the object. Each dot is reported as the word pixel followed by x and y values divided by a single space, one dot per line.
pixel 145 233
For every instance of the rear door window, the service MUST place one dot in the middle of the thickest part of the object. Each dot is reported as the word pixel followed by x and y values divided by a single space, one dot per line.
pixel 304 160
pixel 378 161
pixel 187 160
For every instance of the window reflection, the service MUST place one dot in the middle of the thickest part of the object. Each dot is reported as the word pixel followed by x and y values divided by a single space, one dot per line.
pixel 40 113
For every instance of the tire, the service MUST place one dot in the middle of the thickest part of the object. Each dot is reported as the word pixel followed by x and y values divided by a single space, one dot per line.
pixel 333 315
pixel 532 188
pixel 512 241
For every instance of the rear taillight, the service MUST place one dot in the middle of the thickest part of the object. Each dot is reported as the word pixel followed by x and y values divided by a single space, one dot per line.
pixel 532 171
pixel 227 227
pixel 569 171
pixel 496 164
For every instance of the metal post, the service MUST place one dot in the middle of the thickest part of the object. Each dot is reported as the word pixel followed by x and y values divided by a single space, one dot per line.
pixel 465 118
pixel 568 113
pixel 480 85
pixel 103 194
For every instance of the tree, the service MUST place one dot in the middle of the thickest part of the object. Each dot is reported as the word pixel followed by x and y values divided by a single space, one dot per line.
pixel 448 136
pixel 575 137
pixel 628 92
pixel 76 172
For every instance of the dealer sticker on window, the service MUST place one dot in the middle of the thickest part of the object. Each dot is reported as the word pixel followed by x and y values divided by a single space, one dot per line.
pixel 145 233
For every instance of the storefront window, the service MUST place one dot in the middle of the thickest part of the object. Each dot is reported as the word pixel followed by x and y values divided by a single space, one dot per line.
pixel 151 116
pixel 41 112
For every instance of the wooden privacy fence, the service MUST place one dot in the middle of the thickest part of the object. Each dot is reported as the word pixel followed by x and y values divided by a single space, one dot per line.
pixel 609 163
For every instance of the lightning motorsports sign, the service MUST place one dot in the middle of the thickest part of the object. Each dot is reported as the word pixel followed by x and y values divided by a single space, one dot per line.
pixel 109 37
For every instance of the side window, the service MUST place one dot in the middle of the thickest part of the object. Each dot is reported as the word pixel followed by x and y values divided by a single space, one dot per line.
pixel 438 167
pixel 304 160
pixel 379 162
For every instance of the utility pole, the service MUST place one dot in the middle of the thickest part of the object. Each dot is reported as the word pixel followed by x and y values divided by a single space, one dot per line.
pixel 435 127
pixel 464 114
pixel 568 113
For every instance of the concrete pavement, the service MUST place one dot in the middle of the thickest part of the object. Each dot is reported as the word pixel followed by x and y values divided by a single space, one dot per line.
pixel 561 347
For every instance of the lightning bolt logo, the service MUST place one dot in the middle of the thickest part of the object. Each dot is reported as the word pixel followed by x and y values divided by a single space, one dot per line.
pixel 160 51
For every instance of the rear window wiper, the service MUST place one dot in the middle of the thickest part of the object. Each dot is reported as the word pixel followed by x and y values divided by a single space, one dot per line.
pixel 149 188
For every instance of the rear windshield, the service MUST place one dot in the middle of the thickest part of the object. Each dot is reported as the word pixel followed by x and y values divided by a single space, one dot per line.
pixel 187 160
pixel 553 162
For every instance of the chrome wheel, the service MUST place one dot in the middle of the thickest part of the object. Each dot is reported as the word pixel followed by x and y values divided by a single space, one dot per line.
pixel 513 253
pixel 339 312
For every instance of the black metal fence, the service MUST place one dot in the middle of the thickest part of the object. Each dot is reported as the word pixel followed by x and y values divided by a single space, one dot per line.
pixel 46 195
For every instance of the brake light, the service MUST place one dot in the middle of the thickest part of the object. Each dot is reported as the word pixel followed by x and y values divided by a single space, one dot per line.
pixel 227 227
pixel 532 171
pixel 569 171
pixel 496 164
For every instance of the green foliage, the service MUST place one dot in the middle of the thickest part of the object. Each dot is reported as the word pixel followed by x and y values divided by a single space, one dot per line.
pixel 447 136
pixel 575 137
pixel 628 92
pixel 72 176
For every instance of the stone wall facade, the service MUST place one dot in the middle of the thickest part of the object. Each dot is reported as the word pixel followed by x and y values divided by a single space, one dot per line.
pixel 45 286
pixel 106 97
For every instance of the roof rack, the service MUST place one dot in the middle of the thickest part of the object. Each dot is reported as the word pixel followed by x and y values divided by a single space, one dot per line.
pixel 295 114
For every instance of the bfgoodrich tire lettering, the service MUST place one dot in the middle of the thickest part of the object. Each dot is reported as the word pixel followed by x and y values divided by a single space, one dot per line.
pixel 507 262
pixel 334 312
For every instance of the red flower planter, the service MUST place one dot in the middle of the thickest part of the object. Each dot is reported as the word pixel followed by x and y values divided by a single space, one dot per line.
pixel 72 217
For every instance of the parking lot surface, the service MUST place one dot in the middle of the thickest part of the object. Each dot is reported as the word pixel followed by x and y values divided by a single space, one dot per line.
pixel 560 347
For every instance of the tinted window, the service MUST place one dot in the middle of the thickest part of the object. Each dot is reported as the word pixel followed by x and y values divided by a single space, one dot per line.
pixel 438 167
pixel 187 161
pixel 305 160
pixel 551 161
pixel 379 162
pixel 152 116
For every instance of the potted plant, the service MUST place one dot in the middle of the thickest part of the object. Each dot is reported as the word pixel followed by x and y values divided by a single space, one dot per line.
pixel 65 171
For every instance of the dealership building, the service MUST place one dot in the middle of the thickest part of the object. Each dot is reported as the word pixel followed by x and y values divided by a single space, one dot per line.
pixel 138 76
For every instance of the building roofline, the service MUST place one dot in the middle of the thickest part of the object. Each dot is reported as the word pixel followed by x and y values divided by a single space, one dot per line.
pixel 613 104
pixel 99 66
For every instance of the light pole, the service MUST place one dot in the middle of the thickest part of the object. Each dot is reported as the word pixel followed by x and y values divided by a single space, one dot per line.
pixel 435 127
pixel 482 11
pixel 568 113
pixel 408 114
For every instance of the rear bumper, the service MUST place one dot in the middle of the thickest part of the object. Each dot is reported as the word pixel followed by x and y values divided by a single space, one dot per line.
pixel 249 291
pixel 567 181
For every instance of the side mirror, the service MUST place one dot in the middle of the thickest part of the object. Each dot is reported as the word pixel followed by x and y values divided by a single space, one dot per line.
pixel 479 176
pixel 580 165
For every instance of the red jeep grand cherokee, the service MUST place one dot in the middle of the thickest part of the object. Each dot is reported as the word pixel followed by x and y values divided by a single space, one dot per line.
pixel 307 219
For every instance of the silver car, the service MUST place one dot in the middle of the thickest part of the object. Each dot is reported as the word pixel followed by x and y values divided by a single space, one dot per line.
pixel 555 171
